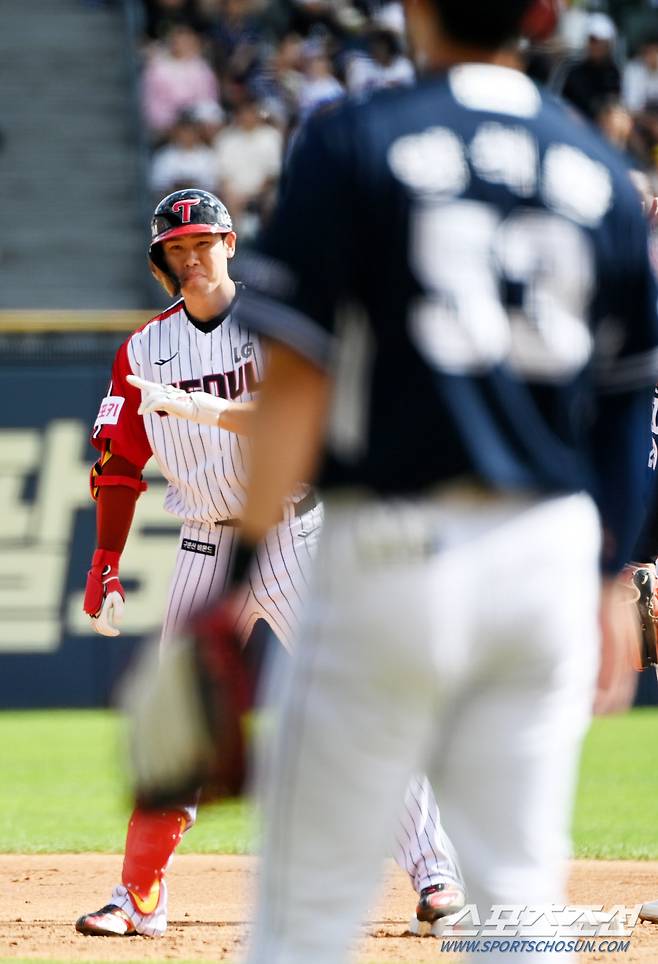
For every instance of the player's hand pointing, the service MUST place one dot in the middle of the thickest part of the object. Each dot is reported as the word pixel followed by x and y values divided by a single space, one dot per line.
pixel 199 407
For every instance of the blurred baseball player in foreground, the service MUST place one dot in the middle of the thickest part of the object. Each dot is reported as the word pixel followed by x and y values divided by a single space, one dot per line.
pixel 457 284
pixel 195 361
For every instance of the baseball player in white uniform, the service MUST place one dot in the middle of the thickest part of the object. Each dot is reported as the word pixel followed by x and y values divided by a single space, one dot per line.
pixel 194 361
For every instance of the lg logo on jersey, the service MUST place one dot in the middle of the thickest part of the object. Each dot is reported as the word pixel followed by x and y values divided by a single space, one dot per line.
pixel 245 352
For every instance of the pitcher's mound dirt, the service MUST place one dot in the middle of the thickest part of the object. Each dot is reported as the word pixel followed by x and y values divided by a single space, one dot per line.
pixel 211 902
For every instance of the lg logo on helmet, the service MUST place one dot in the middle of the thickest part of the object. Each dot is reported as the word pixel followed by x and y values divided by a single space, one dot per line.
pixel 185 207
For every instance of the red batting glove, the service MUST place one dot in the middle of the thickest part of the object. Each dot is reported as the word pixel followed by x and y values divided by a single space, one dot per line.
pixel 104 594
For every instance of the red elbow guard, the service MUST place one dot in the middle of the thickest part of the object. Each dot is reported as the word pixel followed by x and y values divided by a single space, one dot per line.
pixel 102 475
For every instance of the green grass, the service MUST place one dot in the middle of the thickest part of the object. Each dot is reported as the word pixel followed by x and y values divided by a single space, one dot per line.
pixel 617 803
pixel 62 791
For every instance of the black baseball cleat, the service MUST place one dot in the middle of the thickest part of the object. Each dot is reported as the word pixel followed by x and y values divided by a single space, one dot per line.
pixel 649 912
pixel 109 921
pixel 435 903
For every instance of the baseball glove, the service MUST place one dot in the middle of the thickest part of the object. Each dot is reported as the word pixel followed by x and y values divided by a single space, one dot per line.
pixel 188 710
pixel 641 583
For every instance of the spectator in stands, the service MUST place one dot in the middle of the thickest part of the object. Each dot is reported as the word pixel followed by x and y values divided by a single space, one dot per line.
pixel 281 82
pixel 162 15
pixel 211 119
pixel 247 158
pixel 594 78
pixel 388 15
pixel 175 77
pixel 338 17
pixel 320 85
pixel 237 38
pixel 384 64
pixel 574 26
pixel 185 161
pixel 640 81
pixel 275 18
pixel 640 94
pixel 615 123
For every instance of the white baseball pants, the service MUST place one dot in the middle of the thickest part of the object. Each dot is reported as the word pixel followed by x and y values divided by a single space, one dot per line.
pixel 457 636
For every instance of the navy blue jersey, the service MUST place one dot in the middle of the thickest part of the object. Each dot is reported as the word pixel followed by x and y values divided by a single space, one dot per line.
pixel 471 263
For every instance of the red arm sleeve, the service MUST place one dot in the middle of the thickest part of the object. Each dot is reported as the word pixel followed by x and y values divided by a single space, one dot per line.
pixel 115 505
pixel 117 425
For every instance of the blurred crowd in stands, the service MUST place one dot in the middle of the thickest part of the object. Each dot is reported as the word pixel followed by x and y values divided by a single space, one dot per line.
pixel 225 83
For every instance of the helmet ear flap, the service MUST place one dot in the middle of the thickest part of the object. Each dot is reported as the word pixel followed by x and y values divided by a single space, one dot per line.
pixel 167 280
pixel 160 270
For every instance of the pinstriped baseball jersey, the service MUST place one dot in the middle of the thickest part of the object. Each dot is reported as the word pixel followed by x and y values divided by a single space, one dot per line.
pixel 203 465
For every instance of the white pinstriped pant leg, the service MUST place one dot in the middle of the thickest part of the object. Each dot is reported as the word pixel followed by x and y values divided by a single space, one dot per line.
pixel 422 847
pixel 276 587
pixel 277 582
pixel 280 575
pixel 198 577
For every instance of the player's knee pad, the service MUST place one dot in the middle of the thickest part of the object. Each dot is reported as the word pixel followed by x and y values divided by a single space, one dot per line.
pixel 152 838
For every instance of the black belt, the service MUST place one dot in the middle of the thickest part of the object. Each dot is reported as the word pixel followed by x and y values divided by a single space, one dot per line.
pixel 300 508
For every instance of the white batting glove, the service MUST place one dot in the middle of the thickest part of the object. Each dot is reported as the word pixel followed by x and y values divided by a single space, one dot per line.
pixel 199 407
pixel 104 594
pixel 111 614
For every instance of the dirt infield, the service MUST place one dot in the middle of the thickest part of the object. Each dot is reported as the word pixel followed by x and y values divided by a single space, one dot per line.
pixel 211 903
